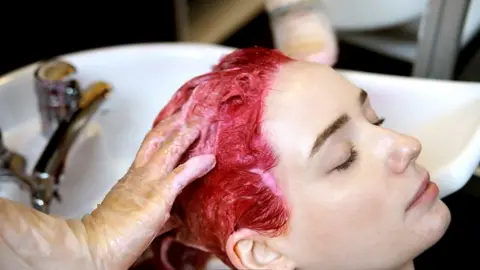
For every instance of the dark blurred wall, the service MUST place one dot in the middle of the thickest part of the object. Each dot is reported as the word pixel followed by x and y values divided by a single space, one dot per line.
pixel 31 32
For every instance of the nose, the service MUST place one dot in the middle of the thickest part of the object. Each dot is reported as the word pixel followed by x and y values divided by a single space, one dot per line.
pixel 404 152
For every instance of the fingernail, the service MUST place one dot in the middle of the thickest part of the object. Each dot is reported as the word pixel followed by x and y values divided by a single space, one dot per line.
pixel 204 162
pixel 201 165
pixel 192 132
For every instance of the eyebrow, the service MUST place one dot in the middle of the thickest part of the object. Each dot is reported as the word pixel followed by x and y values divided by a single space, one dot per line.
pixel 335 126
pixel 362 97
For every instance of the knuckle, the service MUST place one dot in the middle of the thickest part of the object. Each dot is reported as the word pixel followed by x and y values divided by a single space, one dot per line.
pixel 134 175
pixel 175 172
pixel 164 204
pixel 153 135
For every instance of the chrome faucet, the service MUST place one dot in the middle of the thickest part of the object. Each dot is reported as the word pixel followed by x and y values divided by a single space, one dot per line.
pixel 57 93
pixel 64 114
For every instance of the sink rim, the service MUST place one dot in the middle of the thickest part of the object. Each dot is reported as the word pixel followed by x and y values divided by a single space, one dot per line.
pixel 355 76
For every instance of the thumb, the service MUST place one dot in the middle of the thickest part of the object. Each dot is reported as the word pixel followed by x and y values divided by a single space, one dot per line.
pixel 135 210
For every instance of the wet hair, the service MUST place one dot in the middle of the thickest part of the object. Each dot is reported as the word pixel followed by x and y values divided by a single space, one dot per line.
pixel 240 192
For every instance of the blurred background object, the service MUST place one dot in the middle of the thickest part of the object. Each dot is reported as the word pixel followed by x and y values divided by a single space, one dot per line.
pixel 426 34
pixel 374 35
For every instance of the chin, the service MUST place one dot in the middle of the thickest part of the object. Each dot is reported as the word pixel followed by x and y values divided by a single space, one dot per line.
pixel 436 223
pixel 428 229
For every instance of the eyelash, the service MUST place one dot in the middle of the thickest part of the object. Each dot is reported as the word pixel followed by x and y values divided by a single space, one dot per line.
pixel 354 153
pixel 379 122
pixel 349 161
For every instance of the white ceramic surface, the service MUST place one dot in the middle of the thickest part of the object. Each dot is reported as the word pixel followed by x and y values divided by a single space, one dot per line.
pixel 372 14
pixel 401 42
pixel 445 116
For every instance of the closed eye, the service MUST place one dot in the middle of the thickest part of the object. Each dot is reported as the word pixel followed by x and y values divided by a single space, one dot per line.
pixel 351 159
pixel 379 122
pixel 353 152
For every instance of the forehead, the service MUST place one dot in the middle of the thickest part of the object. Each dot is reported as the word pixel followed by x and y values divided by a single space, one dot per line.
pixel 304 100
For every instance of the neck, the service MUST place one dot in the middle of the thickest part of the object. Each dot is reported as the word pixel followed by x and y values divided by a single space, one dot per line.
pixel 407 266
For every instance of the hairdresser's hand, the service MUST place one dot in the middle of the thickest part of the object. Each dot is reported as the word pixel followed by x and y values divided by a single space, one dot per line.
pixel 114 235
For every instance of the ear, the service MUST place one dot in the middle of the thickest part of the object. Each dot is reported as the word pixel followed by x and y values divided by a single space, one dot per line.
pixel 247 249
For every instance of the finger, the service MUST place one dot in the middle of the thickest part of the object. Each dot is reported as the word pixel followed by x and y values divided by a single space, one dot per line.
pixel 172 118
pixel 184 174
pixel 154 139
pixel 142 189
pixel 171 224
pixel 168 156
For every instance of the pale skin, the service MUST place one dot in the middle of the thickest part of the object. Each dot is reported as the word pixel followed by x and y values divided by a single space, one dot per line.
pixel 353 216
pixel 132 214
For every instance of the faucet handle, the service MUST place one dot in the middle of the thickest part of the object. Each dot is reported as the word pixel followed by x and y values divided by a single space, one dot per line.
pixel 58 93
pixel 12 166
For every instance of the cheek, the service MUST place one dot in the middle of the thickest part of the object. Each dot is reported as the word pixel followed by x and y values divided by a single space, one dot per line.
pixel 325 220
pixel 339 212
pixel 342 201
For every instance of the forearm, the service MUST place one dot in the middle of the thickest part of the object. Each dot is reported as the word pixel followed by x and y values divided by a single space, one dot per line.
pixel 125 224
pixel 30 239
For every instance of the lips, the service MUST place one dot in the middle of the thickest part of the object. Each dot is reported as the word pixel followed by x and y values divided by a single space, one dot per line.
pixel 421 190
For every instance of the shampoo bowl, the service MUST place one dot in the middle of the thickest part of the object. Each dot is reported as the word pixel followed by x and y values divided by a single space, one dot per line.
pixel 445 116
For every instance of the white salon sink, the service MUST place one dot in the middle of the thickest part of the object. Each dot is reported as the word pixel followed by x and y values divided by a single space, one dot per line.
pixel 445 116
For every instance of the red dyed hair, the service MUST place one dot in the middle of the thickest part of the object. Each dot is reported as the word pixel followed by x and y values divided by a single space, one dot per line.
pixel 238 193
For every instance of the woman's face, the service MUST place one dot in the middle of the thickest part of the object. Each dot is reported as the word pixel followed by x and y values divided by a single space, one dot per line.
pixel 350 184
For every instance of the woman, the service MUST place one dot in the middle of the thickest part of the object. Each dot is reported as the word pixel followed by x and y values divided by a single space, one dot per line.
pixel 305 176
